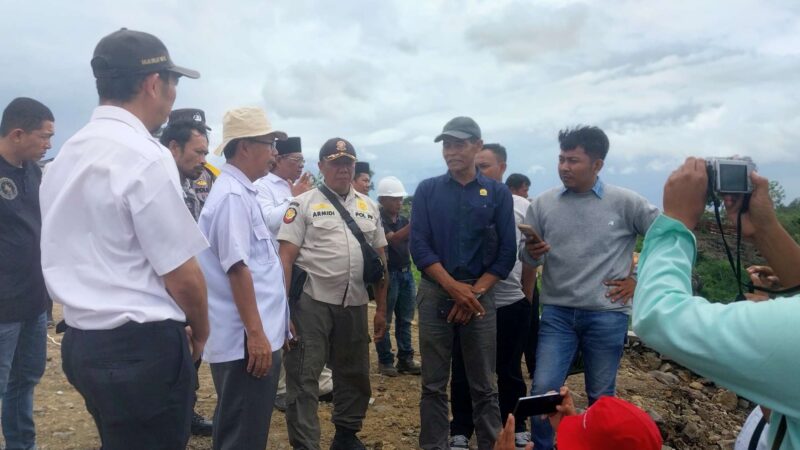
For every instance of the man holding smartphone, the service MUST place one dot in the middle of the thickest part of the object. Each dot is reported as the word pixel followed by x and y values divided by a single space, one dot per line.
pixel 464 241
pixel 588 232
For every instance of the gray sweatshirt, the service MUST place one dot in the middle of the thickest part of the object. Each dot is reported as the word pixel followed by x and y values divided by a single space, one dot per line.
pixel 592 236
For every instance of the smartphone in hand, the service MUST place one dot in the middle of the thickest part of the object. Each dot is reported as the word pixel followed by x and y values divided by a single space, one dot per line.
pixel 537 405
pixel 529 232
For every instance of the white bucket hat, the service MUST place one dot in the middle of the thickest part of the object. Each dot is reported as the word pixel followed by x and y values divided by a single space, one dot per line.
pixel 246 122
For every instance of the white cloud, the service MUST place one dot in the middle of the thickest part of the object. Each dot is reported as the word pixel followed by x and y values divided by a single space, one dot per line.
pixel 663 80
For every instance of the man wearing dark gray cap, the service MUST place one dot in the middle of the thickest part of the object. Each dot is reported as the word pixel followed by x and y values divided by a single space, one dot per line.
pixel 118 251
pixel 463 240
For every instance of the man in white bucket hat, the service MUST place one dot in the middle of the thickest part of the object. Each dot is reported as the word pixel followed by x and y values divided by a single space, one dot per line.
pixel 246 298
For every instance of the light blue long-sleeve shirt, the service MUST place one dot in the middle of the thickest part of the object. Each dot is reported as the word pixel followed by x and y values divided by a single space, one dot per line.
pixel 750 348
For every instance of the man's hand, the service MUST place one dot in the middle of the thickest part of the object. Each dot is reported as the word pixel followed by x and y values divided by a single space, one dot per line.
pixel 620 289
pixel 195 345
pixel 379 325
pixel 303 184
pixel 464 296
pixel 566 408
pixel 505 440
pixel 760 215
pixel 259 355
pixel 685 192
pixel 764 276
pixel 289 344
pixel 459 315
pixel 536 249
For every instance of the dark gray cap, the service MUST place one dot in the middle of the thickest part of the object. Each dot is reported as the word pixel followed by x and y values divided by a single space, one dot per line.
pixel 129 52
pixel 461 127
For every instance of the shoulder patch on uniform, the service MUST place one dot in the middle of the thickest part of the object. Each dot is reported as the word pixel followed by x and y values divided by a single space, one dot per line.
pixel 290 215
pixel 8 189
pixel 294 203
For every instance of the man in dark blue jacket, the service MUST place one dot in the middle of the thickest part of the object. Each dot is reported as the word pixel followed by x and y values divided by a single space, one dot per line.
pixel 463 239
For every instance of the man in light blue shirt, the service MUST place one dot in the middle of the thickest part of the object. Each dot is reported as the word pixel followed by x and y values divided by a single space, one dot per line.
pixel 246 295
pixel 748 347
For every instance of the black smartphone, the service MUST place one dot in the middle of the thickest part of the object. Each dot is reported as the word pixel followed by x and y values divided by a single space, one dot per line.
pixel 537 405
pixel 444 307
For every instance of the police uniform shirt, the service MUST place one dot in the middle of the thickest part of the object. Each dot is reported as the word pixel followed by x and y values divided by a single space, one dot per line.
pixel 22 292
pixel 329 251
pixel 232 222
pixel 274 195
pixel 191 199
pixel 114 223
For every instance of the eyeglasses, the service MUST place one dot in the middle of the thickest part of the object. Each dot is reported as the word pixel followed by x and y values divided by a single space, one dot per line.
pixel 270 144
pixel 299 160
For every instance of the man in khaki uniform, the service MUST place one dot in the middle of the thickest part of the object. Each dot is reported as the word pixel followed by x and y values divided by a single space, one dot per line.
pixel 330 316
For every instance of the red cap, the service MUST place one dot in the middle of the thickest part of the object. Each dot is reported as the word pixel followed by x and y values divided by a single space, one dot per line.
pixel 609 424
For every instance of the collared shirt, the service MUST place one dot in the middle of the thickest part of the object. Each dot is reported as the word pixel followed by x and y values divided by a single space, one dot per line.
pixel 398 257
pixel 113 224
pixel 454 225
pixel 591 240
pixel 274 195
pixel 329 252
pixel 747 347
pixel 598 188
pixel 22 292
pixel 232 222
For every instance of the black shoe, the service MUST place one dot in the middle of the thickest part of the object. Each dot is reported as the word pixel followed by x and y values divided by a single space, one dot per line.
pixel 409 366
pixel 327 398
pixel 280 402
pixel 346 440
pixel 201 426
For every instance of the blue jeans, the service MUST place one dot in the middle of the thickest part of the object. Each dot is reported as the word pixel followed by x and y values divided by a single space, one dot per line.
pixel 23 352
pixel 400 301
pixel 601 337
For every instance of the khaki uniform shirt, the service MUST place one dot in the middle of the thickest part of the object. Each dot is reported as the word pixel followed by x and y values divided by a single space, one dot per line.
pixel 329 252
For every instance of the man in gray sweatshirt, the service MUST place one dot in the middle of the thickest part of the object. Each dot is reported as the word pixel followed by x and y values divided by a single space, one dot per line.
pixel 588 232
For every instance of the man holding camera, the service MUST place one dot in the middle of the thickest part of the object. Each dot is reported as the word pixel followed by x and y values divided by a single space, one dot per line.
pixel 747 347
pixel 330 315
pixel 586 236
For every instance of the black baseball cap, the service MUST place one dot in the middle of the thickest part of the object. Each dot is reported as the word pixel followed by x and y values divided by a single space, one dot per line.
pixel 128 52
pixel 461 127
pixel 188 115
pixel 289 145
pixel 335 148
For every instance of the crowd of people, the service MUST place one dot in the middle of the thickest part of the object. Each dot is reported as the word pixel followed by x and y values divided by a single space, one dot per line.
pixel 161 261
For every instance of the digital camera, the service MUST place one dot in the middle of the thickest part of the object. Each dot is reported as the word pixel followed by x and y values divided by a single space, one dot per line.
pixel 729 175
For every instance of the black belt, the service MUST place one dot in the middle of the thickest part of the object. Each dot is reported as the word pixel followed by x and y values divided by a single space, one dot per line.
pixel 427 277
pixel 62 325
pixel 402 269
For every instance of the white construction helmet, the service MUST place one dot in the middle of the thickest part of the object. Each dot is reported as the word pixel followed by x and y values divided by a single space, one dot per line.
pixel 391 187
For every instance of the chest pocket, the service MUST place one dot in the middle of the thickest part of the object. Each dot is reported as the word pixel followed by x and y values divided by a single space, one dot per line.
pixel 367 227
pixel 482 212
pixel 263 252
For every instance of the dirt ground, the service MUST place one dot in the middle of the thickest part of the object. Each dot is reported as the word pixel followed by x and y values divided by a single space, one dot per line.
pixel 392 420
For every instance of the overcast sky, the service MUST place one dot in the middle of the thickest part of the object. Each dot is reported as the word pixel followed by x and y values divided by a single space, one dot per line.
pixel 664 79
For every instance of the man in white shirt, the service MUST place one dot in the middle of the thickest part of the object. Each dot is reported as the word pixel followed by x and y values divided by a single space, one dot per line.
pixel 118 251
pixel 286 181
pixel 246 295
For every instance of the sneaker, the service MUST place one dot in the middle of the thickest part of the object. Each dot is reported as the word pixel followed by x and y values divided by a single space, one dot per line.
pixel 346 440
pixel 408 366
pixel 521 440
pixel 201 426
pixel 280 402
pixel 387 370
pixel 459 442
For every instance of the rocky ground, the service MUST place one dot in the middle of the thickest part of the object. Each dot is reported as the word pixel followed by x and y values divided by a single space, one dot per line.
pixel 691 412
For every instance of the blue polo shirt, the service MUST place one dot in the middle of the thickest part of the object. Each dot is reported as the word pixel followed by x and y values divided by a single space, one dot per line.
pixel 468 229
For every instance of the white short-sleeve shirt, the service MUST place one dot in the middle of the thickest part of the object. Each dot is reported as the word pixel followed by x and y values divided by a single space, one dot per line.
pixel 231 220
pixel 113 224
pixel 274 195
